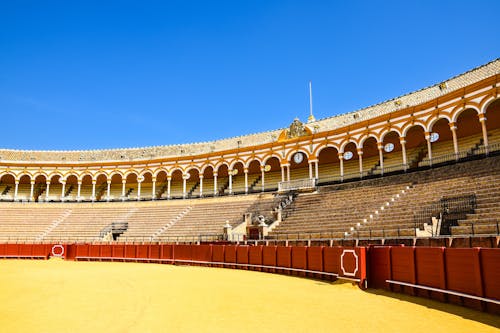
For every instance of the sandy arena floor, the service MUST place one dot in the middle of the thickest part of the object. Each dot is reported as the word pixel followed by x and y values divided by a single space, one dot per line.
pixel 64 296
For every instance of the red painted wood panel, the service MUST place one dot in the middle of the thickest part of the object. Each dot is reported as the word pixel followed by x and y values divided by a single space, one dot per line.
pixel 403 264
pixel 141 251
pixel 284 256
pixel 315 258
pixel 218 253
pixel 82 250
pixel 331 259
pixel 380 266
pixel 230 254
pixel 106 251
pixel 490 264
pixel 130 251
pixel 154 251
pixel 166 251
pixel 118 251
pixel 255 256
pixel 269 257
pixel 94 250
pixel 242 255
pixel 430 267
pixel 202 253
pixel 463 271
pixel 299 257
pixel 11 249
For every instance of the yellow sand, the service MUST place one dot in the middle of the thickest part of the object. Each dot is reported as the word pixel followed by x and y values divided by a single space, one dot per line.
pixel 64 296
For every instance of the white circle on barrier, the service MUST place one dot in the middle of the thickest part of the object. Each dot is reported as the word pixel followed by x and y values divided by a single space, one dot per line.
pixel 342 263
pixel 57 251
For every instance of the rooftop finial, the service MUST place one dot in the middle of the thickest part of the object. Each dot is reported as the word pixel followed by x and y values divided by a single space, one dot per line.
pixel 311 116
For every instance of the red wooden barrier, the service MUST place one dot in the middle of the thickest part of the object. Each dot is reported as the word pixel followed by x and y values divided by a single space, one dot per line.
pixel 490 259
pixel 154 251
pixel 39 250
pixel 269 257
pixel 331 259
pixel 403 267
pixel 463 272
pixel 299 257
pixel 2 249
pixel 106 251
pixel 380 266
pixel 255 256
pixel 218 253
pixel 142 251
pixel 118 251
pixel 315 258
pixel 94 250
pixel 230 254
pixel 166 251
pixel 70 251
pixel 202 253
pixel 25 249
pixel 284 257
pixel 130 251
pixel 242 255
pixel 430 270
pixel 183 252
pixel 11 249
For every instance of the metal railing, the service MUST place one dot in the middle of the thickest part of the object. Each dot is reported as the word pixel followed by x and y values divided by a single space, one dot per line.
pixel 297 185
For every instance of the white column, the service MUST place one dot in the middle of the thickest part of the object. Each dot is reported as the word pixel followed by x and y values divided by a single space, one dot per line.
pixel 139 183
pixel 288 172
pixel 153 191
pixel 32 189
pixel 453 129
pixel 201 186
pixel 109 190
pixel 169 183
pixel 282 173
pixel 124 181
pixel 16 189
pixel 429 148
pixel 341 160
pixel 47 190
pixel 262 177
pixel 380 146
pixel 93 190
pixel 246 180
pixel 403 151
pixel 316 170
pixel 79 190
pixel 63 189
pixel 184 194
pixel 482 120
pixel 230 172
pixel 360 157
pixel 310 170
pixel 215 183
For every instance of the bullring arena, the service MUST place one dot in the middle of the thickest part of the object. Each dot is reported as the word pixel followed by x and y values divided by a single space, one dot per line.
pixel 397 203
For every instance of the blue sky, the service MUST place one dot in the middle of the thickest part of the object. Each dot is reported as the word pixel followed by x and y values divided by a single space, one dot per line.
pixel 104 74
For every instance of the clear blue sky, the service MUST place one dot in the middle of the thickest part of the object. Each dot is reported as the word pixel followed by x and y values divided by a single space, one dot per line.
pixel 104 74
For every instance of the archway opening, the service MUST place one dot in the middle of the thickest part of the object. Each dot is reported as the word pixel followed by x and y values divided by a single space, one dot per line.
pixel 328 165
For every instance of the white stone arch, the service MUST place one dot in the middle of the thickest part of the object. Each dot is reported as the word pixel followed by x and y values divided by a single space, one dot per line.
pixel 145 171
pixel 408 126
pixel 268 157
pixel 250 161
pixel 11 173
pixel 219 164
pixel 34 175
pixel 434 120
pixel 205 167
pixel 192 167
pixel 346 142
pixel 130 172
pixel 487 102
pixel 366 137
pixel 291 152
pixel 161 169
pixel 318 149
pixel 99 173
pixel 236 161
pixel 456 113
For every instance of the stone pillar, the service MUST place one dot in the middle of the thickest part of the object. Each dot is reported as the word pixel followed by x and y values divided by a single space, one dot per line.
pixel 153 191
pixel 93 190
pixel 402 141
pixel 16 189
pixel 169 183
pixel 246 180
pixel 215 184
pixel 262 176
pixel 360 157
pixel 139 183
pixel 32 190
pixel 109 190
pixel 63 189
pixel 453 129
pixel 316 172
pixel 341 160
pixel 124 181
pixel 429 146
pixel 79 191
pixel 184 193
pixel 201 186
pixel 380 146
pixel 47 190
pixel 288 172
pixel 310 170
pixel 482 120
pixel 282 173
pixel 230 172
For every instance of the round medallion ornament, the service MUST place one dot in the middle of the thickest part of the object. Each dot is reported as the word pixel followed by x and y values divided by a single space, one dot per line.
pixel 434 137
pixel 298 158
pixel 348 155
pixel 389 147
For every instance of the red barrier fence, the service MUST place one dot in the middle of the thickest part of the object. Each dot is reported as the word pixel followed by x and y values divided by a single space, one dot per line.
pixel 468 276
